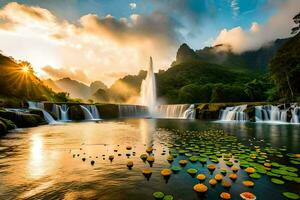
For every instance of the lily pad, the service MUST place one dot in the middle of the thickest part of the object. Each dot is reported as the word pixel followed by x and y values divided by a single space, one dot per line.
pixel 192 171
pixel 277 181
pixel 291 195
pixel 158 195
pixel 255 176
pixel 168 197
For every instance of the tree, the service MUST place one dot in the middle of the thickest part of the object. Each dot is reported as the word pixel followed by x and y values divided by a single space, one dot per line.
pixel 285 68
pixel 296 19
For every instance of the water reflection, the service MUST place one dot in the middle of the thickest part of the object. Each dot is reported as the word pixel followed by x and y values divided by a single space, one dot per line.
pixel 147 129
pixel 46 162
pixel 36 166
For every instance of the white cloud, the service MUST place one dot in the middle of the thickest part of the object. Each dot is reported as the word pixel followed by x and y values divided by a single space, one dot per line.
pixel 235 8
pixel 278 26
pixel 132 5
pixel 97 45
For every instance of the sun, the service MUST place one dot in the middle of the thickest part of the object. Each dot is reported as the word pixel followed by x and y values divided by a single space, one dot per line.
pixel 25 69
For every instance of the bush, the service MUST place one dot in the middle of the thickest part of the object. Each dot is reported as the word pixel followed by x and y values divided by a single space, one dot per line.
pixel 228 93
pixel 193 93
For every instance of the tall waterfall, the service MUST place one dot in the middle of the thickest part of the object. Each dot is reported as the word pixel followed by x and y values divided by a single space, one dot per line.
pixel 64 112
pixel 132 111
pixel 40 106
pixel 179 111
pixel 235 113
pixel 148 90
pixel 90 112
pixel 271 113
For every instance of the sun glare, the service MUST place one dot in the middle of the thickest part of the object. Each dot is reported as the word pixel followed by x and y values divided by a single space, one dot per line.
pixel 25 69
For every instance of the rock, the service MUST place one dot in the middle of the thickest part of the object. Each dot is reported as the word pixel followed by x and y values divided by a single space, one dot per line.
pixel 23 119
pixel 75 113
pixel 3 128
pixel 9 124
pixel 108 110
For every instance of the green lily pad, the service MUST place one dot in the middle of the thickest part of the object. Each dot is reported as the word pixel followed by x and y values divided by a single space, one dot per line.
pixel 288 178
pixel 255 176
pixel 176 169
pixel 273 175
pixel 158 195
pixel 291 195
pixel 277 181
pixel 192 171
pixel 193 159
pixel 168 197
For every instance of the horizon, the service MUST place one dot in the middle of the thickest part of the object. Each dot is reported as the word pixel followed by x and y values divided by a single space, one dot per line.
pixel 112 39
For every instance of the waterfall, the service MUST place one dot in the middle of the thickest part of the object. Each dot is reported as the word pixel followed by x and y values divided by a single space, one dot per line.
pixel 55 110
pixel 132 111
pixel 148 90
pixel 190 112
pixel 235 113
pixel 64 112
pixel 40 106
pixel 270 113
pixel 295 114
pixel 275 114
pixel 180 111
pixel 90 112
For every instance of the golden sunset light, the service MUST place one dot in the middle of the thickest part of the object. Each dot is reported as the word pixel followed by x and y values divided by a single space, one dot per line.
pixel 150 99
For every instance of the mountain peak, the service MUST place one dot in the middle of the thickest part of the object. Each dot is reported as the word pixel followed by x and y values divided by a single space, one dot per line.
pixel 185 54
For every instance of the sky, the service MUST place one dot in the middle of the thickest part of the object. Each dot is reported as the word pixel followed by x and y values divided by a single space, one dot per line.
pixel 90 40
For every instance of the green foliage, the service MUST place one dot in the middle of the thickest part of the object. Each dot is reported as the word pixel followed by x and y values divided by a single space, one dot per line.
pixel 195 93
pixel 285 69
pixel 228 93
pixel 61 97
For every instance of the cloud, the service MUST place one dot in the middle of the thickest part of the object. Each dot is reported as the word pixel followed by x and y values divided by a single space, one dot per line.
pixel 278 26
pixel 116 74
pixel 235 8
pixel 98 44
pixel 58 73
pixel 132 5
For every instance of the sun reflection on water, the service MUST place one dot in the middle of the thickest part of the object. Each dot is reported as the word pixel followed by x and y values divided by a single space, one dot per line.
pixel 36 168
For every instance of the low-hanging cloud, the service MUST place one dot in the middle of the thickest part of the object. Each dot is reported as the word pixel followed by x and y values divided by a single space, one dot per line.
pixel 97 45
pixel 58 73
pixel 278 26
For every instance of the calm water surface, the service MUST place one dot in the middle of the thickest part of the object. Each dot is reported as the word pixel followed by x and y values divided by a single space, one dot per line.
pixel 38 163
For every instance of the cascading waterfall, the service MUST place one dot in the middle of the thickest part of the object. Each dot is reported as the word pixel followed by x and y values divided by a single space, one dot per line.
pixel 235 113
pixel 132 111
pixel 148 90
pixel 40 106
pixel 295 114
pixel 90 112
pixel 64 112
pixel 277 114
pixel 56 110
pixel 179 111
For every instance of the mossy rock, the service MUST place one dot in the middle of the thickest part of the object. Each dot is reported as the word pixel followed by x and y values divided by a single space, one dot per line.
pixel 23 119
pixel 3 128
pixel 9 124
